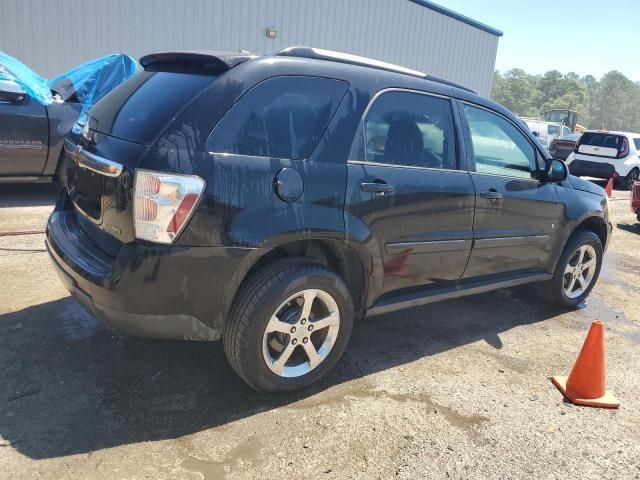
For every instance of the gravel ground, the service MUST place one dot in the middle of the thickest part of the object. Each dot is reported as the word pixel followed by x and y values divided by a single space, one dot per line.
pixel 458 389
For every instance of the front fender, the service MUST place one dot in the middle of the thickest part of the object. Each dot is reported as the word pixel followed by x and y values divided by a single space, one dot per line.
pixel 579 208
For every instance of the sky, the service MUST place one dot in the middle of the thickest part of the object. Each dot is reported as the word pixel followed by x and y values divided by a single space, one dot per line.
pixel 586 37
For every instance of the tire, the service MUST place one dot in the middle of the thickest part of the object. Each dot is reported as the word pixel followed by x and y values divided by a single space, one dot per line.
pixel 554 291
pixel 258 332
pixel 626 183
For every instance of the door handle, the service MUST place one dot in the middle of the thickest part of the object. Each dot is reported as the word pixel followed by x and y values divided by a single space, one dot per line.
pixel 491 195
pixel 379 188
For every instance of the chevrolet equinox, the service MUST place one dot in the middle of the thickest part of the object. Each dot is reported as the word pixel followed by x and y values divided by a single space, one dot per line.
pixel 268 201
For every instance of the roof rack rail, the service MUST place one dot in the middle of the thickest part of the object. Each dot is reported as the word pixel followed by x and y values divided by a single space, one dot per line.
pixel 451 84
pixel 321 54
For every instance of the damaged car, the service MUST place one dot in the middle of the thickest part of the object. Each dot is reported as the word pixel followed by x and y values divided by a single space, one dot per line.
pixel 270 201
pixel 36 114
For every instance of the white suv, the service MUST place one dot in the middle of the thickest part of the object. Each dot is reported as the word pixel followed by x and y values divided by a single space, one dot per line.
pixel 603 154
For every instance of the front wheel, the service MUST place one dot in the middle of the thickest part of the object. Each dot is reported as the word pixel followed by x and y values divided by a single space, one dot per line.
pixel 289 326
pixel 576 272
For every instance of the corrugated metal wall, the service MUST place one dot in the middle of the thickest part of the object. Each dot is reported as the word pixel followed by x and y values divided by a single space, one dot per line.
pixel 54 35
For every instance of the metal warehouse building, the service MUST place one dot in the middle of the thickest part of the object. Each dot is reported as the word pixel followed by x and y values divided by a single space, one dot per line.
pixel 53 36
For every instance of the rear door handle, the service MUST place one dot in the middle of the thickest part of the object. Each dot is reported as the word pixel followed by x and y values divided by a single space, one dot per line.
pixel 491 195
pixel 375 187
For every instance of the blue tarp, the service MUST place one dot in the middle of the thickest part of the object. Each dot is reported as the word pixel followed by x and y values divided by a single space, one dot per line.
pixel 32 83
pixel 90 81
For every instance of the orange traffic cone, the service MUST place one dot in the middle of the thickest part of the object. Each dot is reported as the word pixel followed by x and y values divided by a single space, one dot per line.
pixel 585 385
pixel 609 188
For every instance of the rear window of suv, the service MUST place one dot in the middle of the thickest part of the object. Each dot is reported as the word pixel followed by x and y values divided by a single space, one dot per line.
pixel 282 117
pixel 602 139
pixel 142 106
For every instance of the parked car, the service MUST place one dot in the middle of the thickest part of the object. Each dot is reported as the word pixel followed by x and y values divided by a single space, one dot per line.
pixel 562 147
pixel 635 199
pixel 604 154
pixel 36 114
pixel 546 131
pixel 269 201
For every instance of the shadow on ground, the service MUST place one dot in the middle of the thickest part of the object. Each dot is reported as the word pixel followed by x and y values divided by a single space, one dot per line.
pixel 627 227
pixel 28 194
pixel 70 385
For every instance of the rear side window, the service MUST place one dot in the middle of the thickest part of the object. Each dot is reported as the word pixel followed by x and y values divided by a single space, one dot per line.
pixel 410 129
pixel 499 148
pixel 141 107
pixel 283 117
pixel 637 143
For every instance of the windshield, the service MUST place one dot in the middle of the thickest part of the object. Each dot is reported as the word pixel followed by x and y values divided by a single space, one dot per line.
pixel 558 117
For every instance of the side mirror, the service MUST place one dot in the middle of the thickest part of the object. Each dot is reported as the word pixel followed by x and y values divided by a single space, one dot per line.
pixel 536 134
pixel 11 92
pixel 556 171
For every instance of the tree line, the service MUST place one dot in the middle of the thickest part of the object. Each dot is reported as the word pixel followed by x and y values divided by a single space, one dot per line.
pixel 611 103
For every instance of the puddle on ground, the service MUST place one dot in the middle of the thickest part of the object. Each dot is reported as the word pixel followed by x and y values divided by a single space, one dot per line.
pixel 245 452
pixel 466 423
pixel 76 322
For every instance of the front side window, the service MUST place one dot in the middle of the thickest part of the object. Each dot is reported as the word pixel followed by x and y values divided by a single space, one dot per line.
pixel 410 129
pixel 499 148
pixel 283 117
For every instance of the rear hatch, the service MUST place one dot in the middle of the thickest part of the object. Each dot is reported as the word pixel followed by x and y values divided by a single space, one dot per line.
pixel 601 144
pixel 120 129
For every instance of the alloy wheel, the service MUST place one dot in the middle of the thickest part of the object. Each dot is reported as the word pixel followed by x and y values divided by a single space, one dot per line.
pixel 301 333
pixel 580 271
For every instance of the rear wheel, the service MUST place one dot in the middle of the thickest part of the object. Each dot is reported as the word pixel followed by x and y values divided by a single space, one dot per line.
pixel 627 182
pixel 576 272
pixel 289 326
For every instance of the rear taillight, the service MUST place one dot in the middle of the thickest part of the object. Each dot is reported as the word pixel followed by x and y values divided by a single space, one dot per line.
pixel 163 204
pixel 624 151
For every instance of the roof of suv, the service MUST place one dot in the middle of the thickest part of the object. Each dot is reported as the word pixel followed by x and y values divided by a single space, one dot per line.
pixel 616 132
pixel 217 62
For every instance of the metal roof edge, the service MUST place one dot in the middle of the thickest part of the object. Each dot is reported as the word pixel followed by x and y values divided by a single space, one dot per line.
pixel 458 16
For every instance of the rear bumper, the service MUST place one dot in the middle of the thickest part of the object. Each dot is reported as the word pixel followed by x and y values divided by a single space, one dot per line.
pixel 585 168
pixel 147 290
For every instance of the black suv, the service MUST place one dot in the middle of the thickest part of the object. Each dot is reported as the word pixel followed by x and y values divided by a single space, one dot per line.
pixel 269 201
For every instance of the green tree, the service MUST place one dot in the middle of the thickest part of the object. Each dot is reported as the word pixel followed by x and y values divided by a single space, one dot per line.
pixel 615 103
pixel 611 103
pixel 517 91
